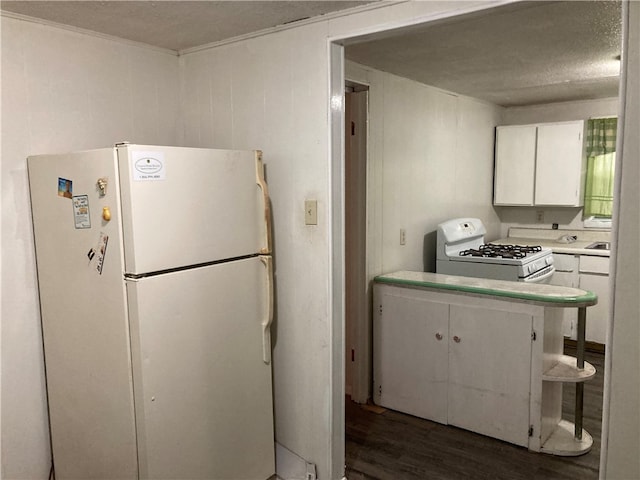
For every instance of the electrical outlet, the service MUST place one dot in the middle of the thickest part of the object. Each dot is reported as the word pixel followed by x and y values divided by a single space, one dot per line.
pixel 403 236
pixel 539 216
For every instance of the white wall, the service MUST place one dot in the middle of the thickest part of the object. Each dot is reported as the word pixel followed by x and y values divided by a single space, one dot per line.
pixel 433 151
pixel 66 91
pixel 560 112
pixel 61 91
pixel 621 429
pixel 268 93
pixel 272 92
pixel 566 218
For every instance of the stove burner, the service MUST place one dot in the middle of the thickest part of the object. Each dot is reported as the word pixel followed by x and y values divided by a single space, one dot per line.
pixel 500 251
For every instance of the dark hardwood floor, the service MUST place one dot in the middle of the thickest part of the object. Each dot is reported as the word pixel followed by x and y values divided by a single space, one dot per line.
pixel 395 446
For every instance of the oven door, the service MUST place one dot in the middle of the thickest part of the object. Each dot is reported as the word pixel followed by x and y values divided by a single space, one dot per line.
pixel 541 276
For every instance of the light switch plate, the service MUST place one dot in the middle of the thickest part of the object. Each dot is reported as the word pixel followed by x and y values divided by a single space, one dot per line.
pixel 310 212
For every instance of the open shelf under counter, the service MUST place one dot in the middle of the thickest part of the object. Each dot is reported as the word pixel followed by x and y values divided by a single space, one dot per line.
pixel 566 370
pixel 562 441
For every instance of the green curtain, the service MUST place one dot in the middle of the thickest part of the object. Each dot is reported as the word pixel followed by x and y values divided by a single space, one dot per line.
pixel 601 156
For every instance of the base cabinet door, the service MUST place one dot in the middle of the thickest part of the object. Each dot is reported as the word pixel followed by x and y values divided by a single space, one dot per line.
pixel 570 315
pixel 594 276
pixel 410 354
pixel 490 372
pixel 566 275
pixel 598 315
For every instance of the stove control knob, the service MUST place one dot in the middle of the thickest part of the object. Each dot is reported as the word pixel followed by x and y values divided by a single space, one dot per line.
pixel 548 260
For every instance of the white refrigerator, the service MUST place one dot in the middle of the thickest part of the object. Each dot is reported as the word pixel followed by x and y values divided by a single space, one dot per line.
pixel 156 291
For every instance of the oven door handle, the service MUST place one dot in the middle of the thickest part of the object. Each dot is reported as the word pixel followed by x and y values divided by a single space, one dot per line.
pixel 541 278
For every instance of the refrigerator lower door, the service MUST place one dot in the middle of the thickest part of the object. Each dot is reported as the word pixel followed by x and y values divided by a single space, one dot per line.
pixel 202 389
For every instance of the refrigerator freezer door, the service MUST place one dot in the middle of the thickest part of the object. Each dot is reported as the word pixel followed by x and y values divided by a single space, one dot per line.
pixel 202 388
pixel 84 315
pixel 189 206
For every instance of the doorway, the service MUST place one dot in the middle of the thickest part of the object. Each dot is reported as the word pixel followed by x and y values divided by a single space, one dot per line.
pixel 357 295
pixel 347 324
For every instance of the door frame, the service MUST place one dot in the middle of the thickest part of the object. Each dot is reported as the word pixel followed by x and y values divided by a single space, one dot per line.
pixel 357 281
pixel 336 75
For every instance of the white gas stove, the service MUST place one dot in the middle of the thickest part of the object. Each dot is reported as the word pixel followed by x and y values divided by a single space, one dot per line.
pixel 461 251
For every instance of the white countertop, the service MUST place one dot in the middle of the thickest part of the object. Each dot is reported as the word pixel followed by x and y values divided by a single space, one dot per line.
pixel 534 293
pixel 550 239
pixel 575 248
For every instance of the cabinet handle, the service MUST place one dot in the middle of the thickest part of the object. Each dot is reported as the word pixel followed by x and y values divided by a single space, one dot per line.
pixel 439 336
pixel 456 339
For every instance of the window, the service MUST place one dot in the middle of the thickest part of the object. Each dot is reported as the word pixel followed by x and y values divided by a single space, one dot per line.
pixel 601 156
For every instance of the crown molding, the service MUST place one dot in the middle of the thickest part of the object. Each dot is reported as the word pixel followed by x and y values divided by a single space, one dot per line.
pixel 84 31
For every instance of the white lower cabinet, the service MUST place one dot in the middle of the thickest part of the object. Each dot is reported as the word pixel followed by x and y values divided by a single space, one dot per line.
pixel 411 366
pixel 587 272
pixel 485 364
pixel 446 363
pixel 599 313
pixel 594 276
pixel 566 275
pixel 487 394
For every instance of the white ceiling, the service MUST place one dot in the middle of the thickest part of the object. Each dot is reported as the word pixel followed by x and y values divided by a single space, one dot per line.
pixel 176 25
pixel 520 54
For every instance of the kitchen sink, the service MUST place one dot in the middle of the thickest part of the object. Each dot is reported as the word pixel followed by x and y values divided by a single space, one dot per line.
pixel 599 246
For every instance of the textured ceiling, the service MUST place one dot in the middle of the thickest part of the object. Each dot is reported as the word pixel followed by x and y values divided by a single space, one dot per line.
pixel 176 25
pixel 522 54
pixel 519 54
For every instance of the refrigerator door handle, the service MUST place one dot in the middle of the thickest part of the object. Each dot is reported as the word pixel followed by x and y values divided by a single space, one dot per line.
pixel 268 319
pixel 266 250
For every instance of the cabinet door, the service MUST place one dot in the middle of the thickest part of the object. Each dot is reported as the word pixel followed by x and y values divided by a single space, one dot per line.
pixel 569 315
pixel 566 263
pixel 559 164
pixel 598 315
pixel 489 372
pixel 566 275
pixel 410 355
pixel 515 165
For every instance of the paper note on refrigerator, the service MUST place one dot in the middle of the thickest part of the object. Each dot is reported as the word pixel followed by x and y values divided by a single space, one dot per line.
pixel 147 166
pixel 81 211
pixel 101 251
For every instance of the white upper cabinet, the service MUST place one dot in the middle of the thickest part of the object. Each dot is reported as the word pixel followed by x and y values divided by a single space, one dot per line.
pixel 559 164
pixel 540 164
pixel 515 165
